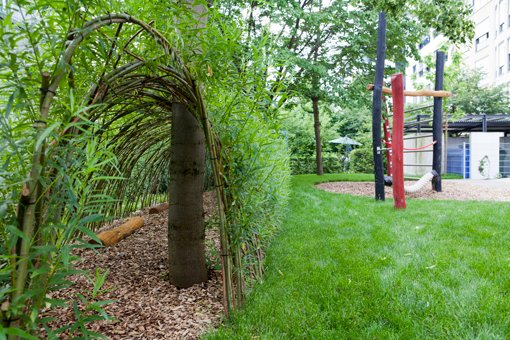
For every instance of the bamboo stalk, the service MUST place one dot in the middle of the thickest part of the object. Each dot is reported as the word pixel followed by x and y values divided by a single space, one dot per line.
pixel 28 220
pixel 40 202
pixel 224 242
pixel 240 279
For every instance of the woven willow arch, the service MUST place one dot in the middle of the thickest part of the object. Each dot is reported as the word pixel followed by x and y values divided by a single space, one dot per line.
pixel 172 82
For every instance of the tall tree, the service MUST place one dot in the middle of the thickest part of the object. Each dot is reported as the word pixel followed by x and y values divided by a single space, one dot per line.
pixel 186 233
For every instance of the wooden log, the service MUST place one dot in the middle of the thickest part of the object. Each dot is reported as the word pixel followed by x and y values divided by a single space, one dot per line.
pixel 418 93
pixel 115 235
pixel 157 209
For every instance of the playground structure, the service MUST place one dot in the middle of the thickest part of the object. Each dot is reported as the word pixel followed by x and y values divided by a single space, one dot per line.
pixel 394 141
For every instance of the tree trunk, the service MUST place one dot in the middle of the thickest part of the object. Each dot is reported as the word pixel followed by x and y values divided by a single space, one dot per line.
pixel 317 127
pixel 186 234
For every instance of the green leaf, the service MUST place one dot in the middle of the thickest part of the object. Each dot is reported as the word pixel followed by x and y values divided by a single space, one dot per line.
pixel 18 332
pixel 91 219
pixel 15 231
pixel 89 233
pixel 46 132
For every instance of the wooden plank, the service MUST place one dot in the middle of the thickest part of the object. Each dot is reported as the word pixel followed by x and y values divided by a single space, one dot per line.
pixel 418 93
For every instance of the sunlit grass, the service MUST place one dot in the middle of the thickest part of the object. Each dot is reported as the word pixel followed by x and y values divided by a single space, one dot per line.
pixel 350 267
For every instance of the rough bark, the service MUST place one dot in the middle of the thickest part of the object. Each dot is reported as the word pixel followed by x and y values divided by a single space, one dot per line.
pixel 186 234
pixel 317 128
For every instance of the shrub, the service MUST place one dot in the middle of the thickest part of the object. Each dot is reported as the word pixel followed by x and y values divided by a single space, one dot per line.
pixel 362 161
pixel 307 164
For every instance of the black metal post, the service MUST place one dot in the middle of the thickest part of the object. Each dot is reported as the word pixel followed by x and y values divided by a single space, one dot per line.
pixel 484 123
pixel 376 108
pixel 437 125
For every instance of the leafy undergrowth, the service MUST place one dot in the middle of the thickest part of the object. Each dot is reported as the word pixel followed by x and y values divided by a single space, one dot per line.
pixel 350 267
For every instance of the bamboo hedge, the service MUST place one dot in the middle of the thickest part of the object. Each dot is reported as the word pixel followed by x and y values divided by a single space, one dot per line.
pixel 120 128
pixel 100 149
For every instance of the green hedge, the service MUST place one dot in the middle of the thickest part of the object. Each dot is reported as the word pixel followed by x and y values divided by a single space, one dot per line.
pixel 307 164
pixel 361 161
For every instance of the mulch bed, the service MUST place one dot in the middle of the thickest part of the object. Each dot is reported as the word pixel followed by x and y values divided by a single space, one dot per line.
pixel 452 190
pixel 147 306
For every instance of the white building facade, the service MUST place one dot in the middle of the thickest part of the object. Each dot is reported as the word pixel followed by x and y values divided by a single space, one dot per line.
pixel 489 51
pixel 475 154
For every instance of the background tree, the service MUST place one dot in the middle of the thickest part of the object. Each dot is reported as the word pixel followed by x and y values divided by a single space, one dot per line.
pixel 473 98
pixel 320 47
pixel 186 228
pixel 470 95
pixel 299 131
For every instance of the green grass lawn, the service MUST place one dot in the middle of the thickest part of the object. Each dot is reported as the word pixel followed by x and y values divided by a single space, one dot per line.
pixel 349 267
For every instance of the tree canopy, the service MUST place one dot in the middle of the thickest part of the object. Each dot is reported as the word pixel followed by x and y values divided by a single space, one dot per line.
pixel 325 50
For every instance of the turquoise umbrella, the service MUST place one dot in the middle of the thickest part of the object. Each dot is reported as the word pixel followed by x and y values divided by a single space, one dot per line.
pixel 344 140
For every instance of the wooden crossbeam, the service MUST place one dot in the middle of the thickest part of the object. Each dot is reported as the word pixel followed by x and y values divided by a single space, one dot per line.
pixel 419 93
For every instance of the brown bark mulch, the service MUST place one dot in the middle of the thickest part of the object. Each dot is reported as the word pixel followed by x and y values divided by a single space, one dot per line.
pixel 477 190
pixel 147 306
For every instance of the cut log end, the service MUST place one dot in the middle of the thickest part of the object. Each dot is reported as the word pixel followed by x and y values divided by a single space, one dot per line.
pixel 158 208
pixel 115 235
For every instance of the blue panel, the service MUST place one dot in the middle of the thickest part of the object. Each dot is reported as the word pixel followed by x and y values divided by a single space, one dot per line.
pixel 467 161
pixel 456 161
pixel 504 159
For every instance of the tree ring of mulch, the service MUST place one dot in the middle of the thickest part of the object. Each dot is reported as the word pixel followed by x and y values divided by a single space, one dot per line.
pixel 462 190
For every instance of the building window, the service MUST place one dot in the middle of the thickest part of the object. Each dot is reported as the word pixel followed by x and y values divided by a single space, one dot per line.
pixel 414 68
pixel 501 58
pixel 420 70
pixel 481 41
pixel 509 62
pixel 425 42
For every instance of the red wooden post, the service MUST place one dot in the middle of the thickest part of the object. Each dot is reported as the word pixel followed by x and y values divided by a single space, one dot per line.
pixel 397 141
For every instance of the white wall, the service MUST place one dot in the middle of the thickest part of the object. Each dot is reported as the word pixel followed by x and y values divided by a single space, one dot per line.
pixel 417 157
pixel 484 144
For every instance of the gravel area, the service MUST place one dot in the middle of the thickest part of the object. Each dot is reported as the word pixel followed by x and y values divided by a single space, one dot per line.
pixel 463 190
pixel 146 306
